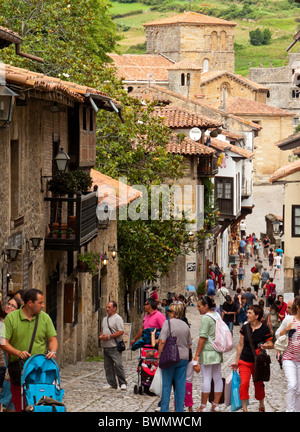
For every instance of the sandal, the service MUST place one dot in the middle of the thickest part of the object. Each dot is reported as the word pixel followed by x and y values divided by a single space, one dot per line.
pixel 202 410
pixel 261 409
pixel 215 407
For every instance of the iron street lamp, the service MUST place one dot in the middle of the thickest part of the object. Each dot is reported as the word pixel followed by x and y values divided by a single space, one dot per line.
pixel 113 251
pixel 34 243
pixel 10 254
pixel 62 160
pixel 276 225
pixel 7 103
pixel 105 259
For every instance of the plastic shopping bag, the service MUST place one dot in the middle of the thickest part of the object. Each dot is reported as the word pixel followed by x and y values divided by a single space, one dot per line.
pixel 235 394
pixel 156 385
pixel 227 390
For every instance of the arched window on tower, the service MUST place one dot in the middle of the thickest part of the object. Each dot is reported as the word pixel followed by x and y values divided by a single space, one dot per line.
pixel 214 41
pixel 188 79
pixel 182 79
pixel 223 41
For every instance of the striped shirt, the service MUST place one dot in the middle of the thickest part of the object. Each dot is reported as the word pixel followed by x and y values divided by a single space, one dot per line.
pixel 293 350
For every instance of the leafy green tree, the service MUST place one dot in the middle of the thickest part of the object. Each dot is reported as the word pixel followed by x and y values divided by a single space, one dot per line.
pixel 266 36
pixel 136 149
pixel 256 37
pixel 72 36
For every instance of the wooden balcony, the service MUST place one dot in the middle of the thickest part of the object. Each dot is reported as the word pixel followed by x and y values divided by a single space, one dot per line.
pixel 207 166
pixel 72 221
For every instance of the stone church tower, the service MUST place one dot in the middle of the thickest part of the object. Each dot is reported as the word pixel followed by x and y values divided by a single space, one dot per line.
pixel 203 40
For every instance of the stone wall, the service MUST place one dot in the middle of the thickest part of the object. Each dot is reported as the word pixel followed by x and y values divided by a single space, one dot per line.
pixel 26 148
pixel 279 81
pixel 194 43
pixel 268 157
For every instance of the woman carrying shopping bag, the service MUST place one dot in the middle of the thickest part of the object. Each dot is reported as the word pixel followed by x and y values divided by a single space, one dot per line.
pixel 245 361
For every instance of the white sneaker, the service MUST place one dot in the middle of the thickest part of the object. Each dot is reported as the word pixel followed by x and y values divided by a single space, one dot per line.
pixel 123 387
pixel 107 387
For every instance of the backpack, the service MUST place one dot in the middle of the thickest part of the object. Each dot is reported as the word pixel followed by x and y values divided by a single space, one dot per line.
pixel 223 341
pixel 253 269
pixel 272 292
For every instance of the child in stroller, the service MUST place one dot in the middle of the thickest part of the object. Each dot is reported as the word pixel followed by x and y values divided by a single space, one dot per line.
pixel 146 369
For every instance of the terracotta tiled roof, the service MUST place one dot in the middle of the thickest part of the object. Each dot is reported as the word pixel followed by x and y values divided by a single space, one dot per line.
pixel 242 106
pixel 23 77
pixel 212 75
pixel 112 191
pixel 285 171
pixel 162 90
pixel 190 18
pixel 147 94
pixel 185 65
pixel 188 147
pixel 290 142
pixel 232 136
pixel 296 151
pixel 224 145
pixel 141 67
pixel 176 117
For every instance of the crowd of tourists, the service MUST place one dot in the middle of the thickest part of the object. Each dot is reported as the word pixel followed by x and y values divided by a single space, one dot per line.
pixel 262 317
pixel 258 309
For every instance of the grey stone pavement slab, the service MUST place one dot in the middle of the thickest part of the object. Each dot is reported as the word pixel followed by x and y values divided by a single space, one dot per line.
pixel 83 382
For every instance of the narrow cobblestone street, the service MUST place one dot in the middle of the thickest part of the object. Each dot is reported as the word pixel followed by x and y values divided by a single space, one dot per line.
pixel 83 382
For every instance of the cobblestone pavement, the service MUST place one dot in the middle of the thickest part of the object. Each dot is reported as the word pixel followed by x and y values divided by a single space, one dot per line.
pixel 83 382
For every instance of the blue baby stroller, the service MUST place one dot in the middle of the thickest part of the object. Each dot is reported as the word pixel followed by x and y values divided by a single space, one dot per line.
pixel 40 382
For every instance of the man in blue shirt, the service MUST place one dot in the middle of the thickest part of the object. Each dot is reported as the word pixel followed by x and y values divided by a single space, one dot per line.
pixel 191 292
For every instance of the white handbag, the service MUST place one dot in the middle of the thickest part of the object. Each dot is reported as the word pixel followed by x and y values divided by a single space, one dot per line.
pixel 281 343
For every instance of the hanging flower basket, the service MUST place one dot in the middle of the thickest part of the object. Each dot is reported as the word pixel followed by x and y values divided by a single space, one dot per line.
pixel 89 262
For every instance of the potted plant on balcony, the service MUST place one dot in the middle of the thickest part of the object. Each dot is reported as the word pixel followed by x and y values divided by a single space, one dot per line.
pixel 88 262
pixel 68 183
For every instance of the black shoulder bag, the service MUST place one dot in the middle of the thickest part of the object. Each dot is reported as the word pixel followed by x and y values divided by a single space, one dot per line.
pixel 262 361
pixel 120 345
pixel 15 368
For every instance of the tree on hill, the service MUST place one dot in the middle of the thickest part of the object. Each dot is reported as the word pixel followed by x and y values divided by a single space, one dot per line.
pixel 258 37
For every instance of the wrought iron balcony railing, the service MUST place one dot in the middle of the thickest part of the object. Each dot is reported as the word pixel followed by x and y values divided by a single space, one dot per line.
pixel 72 221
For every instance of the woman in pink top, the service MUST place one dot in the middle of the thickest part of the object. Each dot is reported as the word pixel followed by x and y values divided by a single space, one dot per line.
pixel 291 357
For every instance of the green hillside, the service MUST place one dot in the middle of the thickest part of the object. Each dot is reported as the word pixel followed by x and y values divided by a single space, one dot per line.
pixel 281 17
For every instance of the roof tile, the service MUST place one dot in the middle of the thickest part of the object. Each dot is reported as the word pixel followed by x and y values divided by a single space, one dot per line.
pixel 285 171
pixel 190 18
pixel 175 117
pixel 242 106
pixel 188 147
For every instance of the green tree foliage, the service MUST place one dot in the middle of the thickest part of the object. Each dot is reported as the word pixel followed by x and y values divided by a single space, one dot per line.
pixel 72 36
pixel 258 37
pixel 136 150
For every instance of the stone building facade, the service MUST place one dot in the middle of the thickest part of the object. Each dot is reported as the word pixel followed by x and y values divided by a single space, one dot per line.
pixel 281 92
pixel 51 114
pixel 202 40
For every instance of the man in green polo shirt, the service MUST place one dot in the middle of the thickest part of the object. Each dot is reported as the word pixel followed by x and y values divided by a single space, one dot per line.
pixel 19 326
